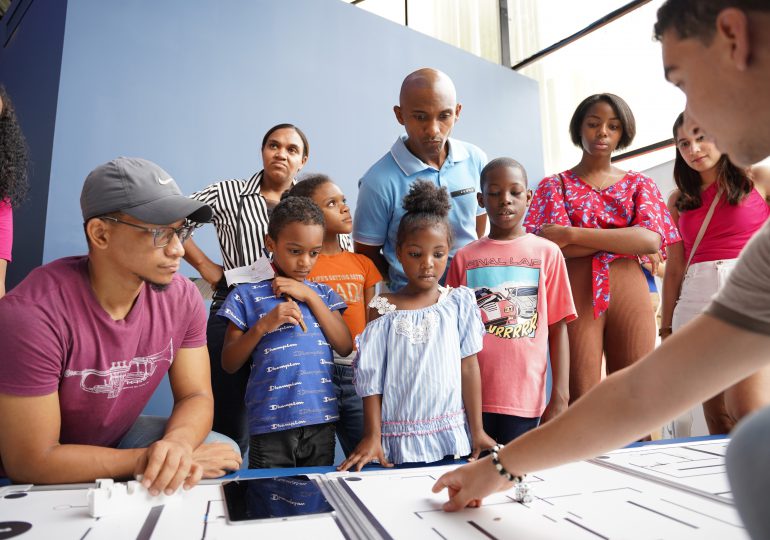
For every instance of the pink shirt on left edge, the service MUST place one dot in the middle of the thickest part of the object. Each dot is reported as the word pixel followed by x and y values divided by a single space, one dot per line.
pixel 521 288
pixel 6 230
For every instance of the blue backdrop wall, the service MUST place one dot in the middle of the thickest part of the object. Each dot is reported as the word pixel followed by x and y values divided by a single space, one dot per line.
pixel 194 84
pixel 32 35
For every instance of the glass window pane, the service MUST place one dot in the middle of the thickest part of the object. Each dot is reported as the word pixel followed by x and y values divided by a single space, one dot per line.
pixel 535 25
pixel 620 58
pixel 472 26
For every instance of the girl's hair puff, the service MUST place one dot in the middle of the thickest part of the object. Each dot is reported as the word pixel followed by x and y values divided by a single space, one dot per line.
pixel 426 205
pixel 294 210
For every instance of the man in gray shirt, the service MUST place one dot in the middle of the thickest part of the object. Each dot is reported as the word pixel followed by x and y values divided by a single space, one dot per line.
pixel 718 53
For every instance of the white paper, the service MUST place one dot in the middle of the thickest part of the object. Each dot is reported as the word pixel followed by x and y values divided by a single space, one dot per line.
pixel 260 270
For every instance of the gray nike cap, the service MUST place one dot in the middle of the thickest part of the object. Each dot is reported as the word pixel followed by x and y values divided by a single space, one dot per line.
pixel 141 189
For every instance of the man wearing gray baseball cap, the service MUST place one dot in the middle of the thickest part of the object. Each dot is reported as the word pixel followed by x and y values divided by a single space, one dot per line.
pixel 87 339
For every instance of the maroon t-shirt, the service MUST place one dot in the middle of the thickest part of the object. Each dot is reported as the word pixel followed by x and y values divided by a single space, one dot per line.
pixel 55 337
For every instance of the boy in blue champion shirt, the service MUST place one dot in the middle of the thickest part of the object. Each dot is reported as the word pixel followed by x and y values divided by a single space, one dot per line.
pixel 288 326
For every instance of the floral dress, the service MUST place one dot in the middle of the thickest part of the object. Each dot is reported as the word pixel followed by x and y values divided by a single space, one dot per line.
pixel 412 358
pixel 634 201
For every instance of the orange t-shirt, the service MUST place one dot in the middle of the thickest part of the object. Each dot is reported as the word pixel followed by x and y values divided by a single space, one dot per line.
pixel 348 274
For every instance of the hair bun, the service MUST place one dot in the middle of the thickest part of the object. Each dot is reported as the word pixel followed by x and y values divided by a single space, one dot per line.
pixel 425 197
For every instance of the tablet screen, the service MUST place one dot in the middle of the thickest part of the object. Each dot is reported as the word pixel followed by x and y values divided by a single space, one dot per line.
pixel 273 498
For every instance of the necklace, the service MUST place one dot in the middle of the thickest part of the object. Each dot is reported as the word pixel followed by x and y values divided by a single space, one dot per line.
pixel 601 187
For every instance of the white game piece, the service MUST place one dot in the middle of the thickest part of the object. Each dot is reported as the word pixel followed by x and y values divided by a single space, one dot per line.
pixel 110 497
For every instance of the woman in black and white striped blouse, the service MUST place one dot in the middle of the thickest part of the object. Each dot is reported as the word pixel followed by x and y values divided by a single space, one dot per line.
pixel 242 209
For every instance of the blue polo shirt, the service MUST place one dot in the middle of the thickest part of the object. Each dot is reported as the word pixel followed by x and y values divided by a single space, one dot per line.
pixel 290 384
pixel 383 186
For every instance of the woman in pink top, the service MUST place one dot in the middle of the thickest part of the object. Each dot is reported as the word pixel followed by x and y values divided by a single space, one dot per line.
pixel 702 172
pixel 13 178
pixel 603 219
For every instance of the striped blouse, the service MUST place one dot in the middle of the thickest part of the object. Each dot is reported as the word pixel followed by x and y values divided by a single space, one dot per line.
pixel 412 358
pixel 240 217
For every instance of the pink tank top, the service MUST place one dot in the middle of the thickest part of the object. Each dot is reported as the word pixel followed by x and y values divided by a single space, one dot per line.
pixel 729 229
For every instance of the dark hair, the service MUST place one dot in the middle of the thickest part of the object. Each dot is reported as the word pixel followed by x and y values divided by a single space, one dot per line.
pixel 697 18
pixel 13 155
pixel 734 181
pixel 622 110
pixel 294 210
pixel 501 162
pixel 305 144
pixel 426 205
pixel 307 186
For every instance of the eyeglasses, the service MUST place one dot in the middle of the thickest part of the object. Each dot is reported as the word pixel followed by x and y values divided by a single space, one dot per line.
pixel 161 236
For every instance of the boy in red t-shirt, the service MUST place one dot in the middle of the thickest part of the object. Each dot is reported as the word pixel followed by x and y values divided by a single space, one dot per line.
pixel 525 300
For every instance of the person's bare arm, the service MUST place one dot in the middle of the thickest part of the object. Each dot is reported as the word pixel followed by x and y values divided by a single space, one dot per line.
pixel 558 350
pixel 707 355
pixel 36 456
pixel 672 286
pixel 471 390
pixel 375 254
pixel 573 251
pixel 171 462
pixel 370 447
pixel 627 240
pixel 209 270
pixel 369 293
pixel 3 269
pixel 481 225
pixel 674 276
pixel 760 175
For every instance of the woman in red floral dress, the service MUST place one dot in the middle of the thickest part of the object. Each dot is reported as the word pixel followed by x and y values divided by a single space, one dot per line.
pixel 604 219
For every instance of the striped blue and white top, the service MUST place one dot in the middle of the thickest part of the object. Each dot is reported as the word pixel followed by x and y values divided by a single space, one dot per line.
pixel 412 358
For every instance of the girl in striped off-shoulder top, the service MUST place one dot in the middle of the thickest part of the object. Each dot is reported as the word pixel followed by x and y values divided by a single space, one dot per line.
pixel 416 367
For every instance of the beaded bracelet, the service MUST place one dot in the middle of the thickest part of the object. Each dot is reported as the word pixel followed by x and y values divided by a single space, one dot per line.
pixel 521 488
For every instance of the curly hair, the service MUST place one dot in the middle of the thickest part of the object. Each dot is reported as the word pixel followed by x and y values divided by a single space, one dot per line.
pixel 307 186
pixel 426 205
pixel 734 181
pixel 294 210
pixel 13 155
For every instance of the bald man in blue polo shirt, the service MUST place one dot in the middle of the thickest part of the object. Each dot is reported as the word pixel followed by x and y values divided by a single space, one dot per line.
pixel 428 110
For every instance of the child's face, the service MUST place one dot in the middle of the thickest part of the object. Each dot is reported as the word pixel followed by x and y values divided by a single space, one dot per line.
pixel 424 255
pixel 505 197
pixel 296 249
pixel 332 201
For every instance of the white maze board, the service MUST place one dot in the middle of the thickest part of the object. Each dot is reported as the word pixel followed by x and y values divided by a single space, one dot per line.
pixel 199 514
pixel 669 491
pixel 698 466
pixel 576 501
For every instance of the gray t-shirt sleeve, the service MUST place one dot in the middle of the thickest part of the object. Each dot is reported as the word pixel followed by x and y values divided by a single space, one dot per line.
pixel 744 301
